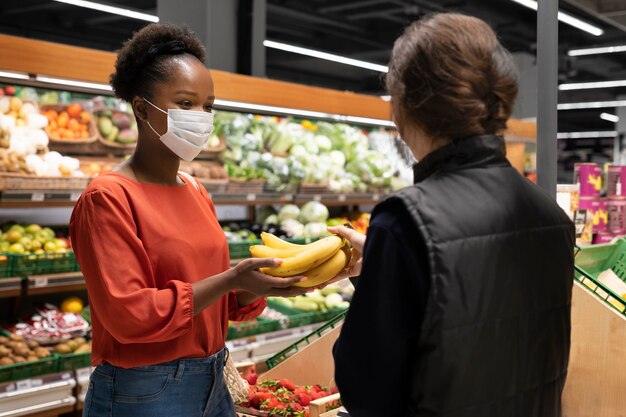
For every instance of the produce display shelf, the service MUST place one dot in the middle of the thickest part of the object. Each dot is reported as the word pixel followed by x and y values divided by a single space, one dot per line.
pixel 306 340
pixel 10 287
pixel 27 370
pixel 39 198
pixel 591 261
pixel 65 198
pixel 39 396
pixel 55 283
pixel 299 317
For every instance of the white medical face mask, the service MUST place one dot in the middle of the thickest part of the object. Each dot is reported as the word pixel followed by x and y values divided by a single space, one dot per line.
pixel 188 131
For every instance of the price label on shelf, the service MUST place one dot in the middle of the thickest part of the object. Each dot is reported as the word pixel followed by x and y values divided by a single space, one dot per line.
pixel 83 373
pixel 24 384
pixel 75 196
pixel 287 197
pixel 36 383
pixel 251 197
pixel 40 282
pixel 38 197
pixel 341 197
pixel 317 198
pixel 376 197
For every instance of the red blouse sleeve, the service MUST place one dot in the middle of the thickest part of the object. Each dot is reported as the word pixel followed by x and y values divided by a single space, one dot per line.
pixel 245 313
pixel 119 276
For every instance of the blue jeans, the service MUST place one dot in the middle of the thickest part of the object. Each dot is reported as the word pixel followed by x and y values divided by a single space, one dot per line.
pixel 180 388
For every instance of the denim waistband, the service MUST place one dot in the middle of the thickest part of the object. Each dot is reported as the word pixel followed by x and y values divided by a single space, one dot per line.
pixel 215 361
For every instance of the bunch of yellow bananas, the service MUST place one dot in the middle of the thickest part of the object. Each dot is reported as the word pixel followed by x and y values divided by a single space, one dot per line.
pixel 318 261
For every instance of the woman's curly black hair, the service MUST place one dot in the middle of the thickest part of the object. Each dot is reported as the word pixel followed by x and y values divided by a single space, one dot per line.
pixel 146 58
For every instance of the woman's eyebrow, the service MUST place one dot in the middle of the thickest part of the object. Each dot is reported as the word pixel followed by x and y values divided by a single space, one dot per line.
pixel 186 92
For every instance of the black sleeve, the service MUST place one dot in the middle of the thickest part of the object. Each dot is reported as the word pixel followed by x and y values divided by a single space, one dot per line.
pixel 374 352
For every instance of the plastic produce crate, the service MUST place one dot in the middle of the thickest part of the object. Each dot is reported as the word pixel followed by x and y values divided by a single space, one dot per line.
pixel 5 265
pixel 305 341
pixel 591 261
pixel 241 250
pixel 73 361
pixel 299 317
pixel 252 328
pixel 29 369
pixel 44 263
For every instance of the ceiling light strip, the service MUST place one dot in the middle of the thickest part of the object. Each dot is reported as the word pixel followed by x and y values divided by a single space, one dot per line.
pixel 73 83
pixel 592 85
pixel 592 105
pixel 324 55
pixel 597 51
pixel 301 113
pixel 609 117
pixel 566 18
pixel 586 135
pixel 112 9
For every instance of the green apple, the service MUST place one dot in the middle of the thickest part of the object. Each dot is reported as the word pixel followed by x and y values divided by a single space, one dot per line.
pixel 14 236
pixel 33 229
pixel 17 228
pixel 50 246
pixel 17 248
pixel 36 244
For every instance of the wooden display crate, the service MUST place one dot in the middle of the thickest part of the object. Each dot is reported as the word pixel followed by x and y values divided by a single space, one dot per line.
pixel 596 380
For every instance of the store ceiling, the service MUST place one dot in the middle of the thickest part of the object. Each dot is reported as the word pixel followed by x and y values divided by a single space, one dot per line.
pixel 361 29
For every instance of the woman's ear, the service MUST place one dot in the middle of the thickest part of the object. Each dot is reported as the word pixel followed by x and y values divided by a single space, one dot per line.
pixel 140 108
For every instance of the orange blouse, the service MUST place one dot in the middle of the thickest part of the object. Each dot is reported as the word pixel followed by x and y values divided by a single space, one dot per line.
pixel 140 247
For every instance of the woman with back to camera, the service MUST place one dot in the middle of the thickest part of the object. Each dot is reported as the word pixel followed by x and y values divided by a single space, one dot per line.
pixel 463 304
pixel 153 254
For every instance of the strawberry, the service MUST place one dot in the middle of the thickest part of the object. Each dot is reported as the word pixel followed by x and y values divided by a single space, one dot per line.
pixel 304 398
pixel 285 383
pixel 259 398
pixel 295 407
pixel 334 390
pixel 251 378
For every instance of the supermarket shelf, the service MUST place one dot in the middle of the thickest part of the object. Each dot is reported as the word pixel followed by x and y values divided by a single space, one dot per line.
pixel 55 283
pixel 67 198
pixel 10 287
pixel 47 395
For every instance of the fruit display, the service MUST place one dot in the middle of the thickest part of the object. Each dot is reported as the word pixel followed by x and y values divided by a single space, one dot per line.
pixel 117 127
pixel 21 126
pixel 15 349
pixel 76 345
pixel 47 164
pixel 283 398
pixel 31 239
pixel 359 221
pixel 319 261
pixel 49 326
pixel 329 298
pixel 70 123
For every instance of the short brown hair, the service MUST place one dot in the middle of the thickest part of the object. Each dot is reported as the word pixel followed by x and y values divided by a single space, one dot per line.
pixel 450 76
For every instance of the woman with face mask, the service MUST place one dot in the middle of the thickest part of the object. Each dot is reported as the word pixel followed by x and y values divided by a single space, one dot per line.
pixel 153 254
pixel 462 307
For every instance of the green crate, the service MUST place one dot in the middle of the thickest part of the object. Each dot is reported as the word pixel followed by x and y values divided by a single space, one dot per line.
pixel 241 250
pixel 305 341
pixel 252 328
pixel 29 369
pixel 299 317
pixel 593 260
pixel 72 361
pixel 44 263
pixel 5 265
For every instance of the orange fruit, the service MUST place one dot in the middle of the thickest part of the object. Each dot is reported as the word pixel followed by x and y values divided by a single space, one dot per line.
pixel 73 125
pixel 84 117
pixel 63 120
pixel 74 110
pixel 53 125
pixel 84 134
pixel 51 115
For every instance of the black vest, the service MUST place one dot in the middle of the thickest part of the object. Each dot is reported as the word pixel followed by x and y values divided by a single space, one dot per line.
pixel 496 333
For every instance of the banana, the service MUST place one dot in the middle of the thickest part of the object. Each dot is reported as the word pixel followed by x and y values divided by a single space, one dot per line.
pixel 275 242
pixel 327 270
pixel 313 255
pixel 260 251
